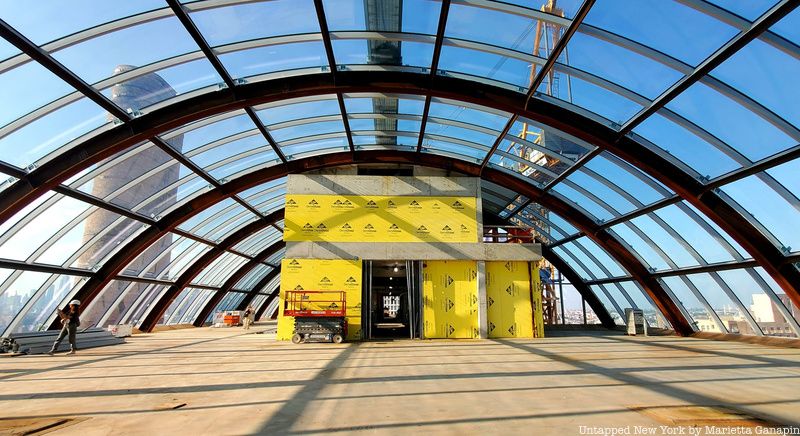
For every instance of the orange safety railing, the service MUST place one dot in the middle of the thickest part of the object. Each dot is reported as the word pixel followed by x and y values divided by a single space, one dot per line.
pixel 315 303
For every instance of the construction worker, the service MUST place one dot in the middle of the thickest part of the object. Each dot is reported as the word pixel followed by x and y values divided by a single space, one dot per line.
pixel 70 322
pixel 248 314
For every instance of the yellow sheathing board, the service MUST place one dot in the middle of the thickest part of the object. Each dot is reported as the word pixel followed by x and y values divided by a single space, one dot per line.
pixel 538 310
pixel 450 299
pixel 352 218
pixel 508 300
pixel 322 275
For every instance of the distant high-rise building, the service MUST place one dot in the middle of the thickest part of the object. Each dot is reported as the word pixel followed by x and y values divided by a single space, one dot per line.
pixel 146 173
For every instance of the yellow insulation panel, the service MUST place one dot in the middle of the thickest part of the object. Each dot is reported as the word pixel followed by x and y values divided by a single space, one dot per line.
pixel 508 300
pixel 450 299
pixel 354 218
pixel 322 275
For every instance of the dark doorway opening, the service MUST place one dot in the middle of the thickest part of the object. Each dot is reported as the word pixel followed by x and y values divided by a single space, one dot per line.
pixel 390 293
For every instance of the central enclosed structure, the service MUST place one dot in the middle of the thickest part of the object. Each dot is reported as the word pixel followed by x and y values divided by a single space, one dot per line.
pixel 409 256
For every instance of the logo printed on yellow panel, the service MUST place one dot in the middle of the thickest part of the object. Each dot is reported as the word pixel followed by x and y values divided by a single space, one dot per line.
pixel 449 305
pixel 313 203
pixel 422 229
pixel 369 228
pixel 464 228
pixel 457 205
pixel 372 205
pixel 447 229
pixel 509 291
pixel 414 204
pixel 298 288
pixel 489 301
pixel 291 203
pixel 322 228
pixel 346 228
pixel 394 229
pixel 351 281
pixel 491 326
pixel 448 281
pixel 308 227
pixel 513 329
pixel 325 281
pixel 391 205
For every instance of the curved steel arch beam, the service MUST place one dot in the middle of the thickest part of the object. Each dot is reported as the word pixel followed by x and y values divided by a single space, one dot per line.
pixel 104 145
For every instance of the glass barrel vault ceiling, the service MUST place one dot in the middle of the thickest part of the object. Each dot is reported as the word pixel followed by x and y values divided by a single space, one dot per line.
pixel 705 86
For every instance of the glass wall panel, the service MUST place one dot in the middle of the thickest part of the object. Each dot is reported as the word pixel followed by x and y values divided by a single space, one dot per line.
pixel 731 122
pixel 768 313
pixel 699 315
pixel 417 16
pixel 768 208
pixel 255 20
pixel 670 27
pixel 57 288
pixel 15 291
pixel 27 145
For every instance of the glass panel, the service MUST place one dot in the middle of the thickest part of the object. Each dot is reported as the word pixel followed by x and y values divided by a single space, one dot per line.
pixel 30 18
pixel 257 242
pixel 746 132
pixel 768 208
pixel 255 20
pixel 567 257
pixel 144 91
pixel 629 70
pixel 749 9
pixel 40 312
pixel 650 257
pixel 167 258
pixel 686 146
pixel 764 310
pixel 793 309
pixel 39 138
pixel 603 259
pixel 789 26
pixel 507 70
pixel 674 248
pixel 707 245
pixel 210 213
pixel 138 310
pixel 574 193
pixel 275 58
pixel 767 79
pixel 219 270
pixel 29 87
pixel 416 16
pixel 460 111
pixel 297 109
pixel 96 59
pixel 89 244
pixel 727 310
pixel 228 302
pixel 17 293
pixel 615 315
pixel 384 104
pixel 41 228
pixel 697 312
pixel 313 147
pixel 142 179
pixel 654 316
pixel 209 130
pixel 379 52
pixel 92 314
pixel 250 279
pixel 613 108
pixel 315 128
pixel 670 27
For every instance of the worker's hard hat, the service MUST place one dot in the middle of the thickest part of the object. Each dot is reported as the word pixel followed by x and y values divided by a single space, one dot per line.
pixel 75 302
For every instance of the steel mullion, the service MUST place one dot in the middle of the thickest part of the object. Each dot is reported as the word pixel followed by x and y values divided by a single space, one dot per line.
pixel 437 52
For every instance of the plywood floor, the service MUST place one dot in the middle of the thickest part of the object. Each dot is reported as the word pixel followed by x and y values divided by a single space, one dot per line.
pixel 223 381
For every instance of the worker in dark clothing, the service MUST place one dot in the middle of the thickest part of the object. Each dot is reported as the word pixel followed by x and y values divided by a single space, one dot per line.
pixel 70 322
